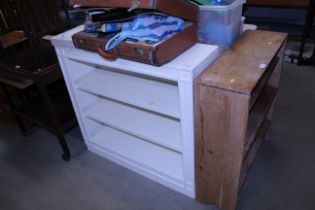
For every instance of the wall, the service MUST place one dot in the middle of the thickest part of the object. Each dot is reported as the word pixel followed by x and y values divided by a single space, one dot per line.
pixel 278 19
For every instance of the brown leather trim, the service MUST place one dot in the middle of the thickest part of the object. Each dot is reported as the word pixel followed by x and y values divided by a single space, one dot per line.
pixel 154 55
pixel 174 46
pixel 179 8
pixel 140 53
pixel 88 43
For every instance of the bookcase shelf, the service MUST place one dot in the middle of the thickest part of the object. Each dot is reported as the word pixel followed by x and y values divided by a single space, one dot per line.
pixel 258 115
pixel 137 115
pixel 235 98
pixel 138 122
pixel 162 97
pixel 148 155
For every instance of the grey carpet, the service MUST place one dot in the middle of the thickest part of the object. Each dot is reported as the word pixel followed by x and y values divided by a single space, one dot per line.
pixel 33 177
pixel 283 175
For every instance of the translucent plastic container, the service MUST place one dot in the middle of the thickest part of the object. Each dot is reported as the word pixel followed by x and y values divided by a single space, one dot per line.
pixel 220 25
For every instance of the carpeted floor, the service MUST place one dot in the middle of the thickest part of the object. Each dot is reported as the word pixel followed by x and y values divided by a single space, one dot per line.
pixel 33 176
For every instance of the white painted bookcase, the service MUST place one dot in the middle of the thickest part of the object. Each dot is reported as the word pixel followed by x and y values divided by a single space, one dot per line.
pixel 137 115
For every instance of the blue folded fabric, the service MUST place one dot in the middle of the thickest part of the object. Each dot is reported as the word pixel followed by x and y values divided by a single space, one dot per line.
pixel 147 28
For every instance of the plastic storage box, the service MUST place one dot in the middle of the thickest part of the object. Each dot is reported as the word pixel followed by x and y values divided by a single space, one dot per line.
pixel 220 25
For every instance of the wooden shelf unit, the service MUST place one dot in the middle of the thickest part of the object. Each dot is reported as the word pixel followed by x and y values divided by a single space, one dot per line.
pixel 234 101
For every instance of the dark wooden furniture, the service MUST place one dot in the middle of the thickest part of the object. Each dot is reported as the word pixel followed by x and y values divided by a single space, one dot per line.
pixel 39 18
pixel 9 38
pixel 8 18
pixel 47 104
pixel 32 70
pixel 235 97
pixel 8 26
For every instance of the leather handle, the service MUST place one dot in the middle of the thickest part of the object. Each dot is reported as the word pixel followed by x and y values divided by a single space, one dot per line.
pixel 112 55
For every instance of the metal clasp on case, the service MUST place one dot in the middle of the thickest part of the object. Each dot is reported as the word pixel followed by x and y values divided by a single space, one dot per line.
pixel 82 41
pixel 138 52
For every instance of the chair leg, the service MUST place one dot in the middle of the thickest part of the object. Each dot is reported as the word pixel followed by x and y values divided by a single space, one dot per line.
pixel 21 126
pixel 54 121
pixel 11 105
pixel 66 152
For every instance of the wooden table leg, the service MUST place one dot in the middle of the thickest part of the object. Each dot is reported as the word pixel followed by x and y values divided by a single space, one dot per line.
pixel 221 121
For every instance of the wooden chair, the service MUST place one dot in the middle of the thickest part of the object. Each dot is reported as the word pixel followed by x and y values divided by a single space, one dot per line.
pixel 34 69
pixel 8 19
pixel 9 26
pixel 9 37
pixel 40 18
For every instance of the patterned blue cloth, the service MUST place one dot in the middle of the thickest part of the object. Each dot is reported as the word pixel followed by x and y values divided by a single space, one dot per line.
pixel 147 28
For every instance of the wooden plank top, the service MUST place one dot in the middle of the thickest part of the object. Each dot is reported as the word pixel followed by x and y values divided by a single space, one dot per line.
pixel 241 67
pixel 283 3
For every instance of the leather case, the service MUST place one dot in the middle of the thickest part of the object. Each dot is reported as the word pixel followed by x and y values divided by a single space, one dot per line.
pixel 158 54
